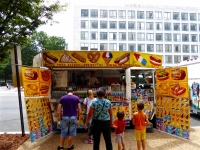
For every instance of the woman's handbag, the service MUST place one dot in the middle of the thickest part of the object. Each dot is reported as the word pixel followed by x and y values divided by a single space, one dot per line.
pixel 91 128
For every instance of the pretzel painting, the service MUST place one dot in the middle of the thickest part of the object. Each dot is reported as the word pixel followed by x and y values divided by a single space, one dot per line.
pixel 93 57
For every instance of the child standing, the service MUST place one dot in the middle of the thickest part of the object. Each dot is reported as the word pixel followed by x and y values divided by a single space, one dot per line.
pixel 119 127
pixel 86 104
pixel 140 120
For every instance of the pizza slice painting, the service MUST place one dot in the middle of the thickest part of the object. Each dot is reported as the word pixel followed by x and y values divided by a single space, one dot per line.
pixel 66 59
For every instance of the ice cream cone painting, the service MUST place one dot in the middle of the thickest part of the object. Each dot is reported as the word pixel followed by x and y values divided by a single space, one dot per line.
pixel 107 56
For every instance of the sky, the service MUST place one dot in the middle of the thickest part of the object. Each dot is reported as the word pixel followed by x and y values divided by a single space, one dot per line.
pixel 65 26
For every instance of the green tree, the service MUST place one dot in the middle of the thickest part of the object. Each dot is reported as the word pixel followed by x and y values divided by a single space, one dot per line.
pixel 38 42
pixel 20 18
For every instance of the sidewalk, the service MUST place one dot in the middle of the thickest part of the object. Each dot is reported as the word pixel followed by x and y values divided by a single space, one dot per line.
pixel 155 141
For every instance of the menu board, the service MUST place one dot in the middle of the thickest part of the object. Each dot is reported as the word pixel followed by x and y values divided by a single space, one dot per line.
pixel 36 81
pixel 172 103
pixel 100 59
pixel 39 117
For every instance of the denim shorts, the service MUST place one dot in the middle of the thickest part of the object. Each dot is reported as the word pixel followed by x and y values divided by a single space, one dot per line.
pixel 68 126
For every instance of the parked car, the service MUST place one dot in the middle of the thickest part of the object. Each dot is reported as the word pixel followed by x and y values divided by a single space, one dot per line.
pixel 2 83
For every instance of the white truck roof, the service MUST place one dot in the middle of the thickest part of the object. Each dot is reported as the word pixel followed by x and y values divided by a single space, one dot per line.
pixel 189 62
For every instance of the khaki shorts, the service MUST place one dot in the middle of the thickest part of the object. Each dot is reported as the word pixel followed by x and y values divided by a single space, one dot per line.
pixel 119 138
pixel 140 135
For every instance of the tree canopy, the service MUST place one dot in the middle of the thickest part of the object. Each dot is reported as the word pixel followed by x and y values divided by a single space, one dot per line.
pixel 20 18
pixel 38 42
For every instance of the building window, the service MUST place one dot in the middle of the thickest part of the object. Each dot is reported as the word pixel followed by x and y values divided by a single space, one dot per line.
pixel 177 37
pixel 177 58
pixel 168 59
pixel 177 48
pixel 103 36
pixel 113 36
pixel 141 47
pixel 176 16
pixel 94 35
pixel 140 14
pixel 113 46
pixel 159 26
pixel 193 27
pixel 185 37
pixel 103 24
pixel 150 47
pixel 184 26
pixel 84 12
pixel 149 25
pixel 199 27
pixel 122 14
pixel 131 25
pixel 131 47
pixel 84 24
pixel 131 36
pixel 103 46
pixel 167 15
pixel 122 46
pixel 150 37
pixel 186 57
pixel 159 36
pixel 158 15
pixel 93 46
pixel 113 24
pixel 167 26
pixel 94 24
pixel 184 16
pixel 168 37
pixel 84 46
pixel 84 35
pixel 194 48
pixel 140 26
pixel 194 56
pixel 199 16
pixel 94 13
pixel 193 16
pixel 176 26
pixel 113 14
pixel 194 38
pixel 131 14
pixel 122 36
pixel 149 14
pixel 141 36
pixel 122 24
pixel 186 48
pixel 159 48
pixel 168 48
pixel 103 13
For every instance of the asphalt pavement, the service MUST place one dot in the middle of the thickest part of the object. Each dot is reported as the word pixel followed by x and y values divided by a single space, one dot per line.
pixel 10 120
pixel 9 111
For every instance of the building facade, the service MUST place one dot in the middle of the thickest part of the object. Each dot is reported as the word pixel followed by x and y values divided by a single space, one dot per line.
pixel 173 32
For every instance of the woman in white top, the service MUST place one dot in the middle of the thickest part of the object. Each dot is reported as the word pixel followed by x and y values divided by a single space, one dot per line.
pixel 86 104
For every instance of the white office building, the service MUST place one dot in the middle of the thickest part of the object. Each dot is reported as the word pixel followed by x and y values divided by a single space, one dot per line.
pixel 173 32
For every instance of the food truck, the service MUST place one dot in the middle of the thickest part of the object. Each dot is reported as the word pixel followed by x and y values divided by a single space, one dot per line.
pixel 193 83
pixel 127 77
pixel 113 70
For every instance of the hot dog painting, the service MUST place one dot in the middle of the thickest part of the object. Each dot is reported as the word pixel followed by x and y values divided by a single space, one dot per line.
pixel 162 75
pixel 179 90
pixel 155 61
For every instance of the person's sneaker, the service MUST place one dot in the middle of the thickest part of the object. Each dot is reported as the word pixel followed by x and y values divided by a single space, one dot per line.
pixel 72 147
pixel 60 148
pixel 89 141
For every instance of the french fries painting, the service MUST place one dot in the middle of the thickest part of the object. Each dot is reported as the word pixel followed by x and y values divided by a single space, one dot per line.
pixel 162 88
